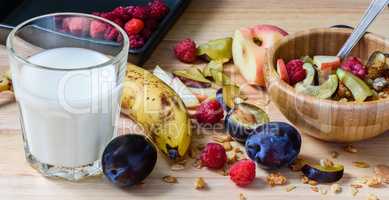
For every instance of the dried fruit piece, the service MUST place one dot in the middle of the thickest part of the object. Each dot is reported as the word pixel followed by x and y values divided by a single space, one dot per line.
pixel 290 188
pixel 221 138
pixel 169 179
pixel 354 191
pixel 334 154
pixel 242 197
pixel 315 189
pixel 361 164
pixel 326 163
pixel 177 167
pixel 350 149
pixel 274 179
pixel 382 171
pixel 374 182
pixel 200 183
pixel 372 197
pixel 323 191
pixel 336 188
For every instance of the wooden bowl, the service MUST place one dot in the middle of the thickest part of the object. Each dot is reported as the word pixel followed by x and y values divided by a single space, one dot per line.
pixel 327 119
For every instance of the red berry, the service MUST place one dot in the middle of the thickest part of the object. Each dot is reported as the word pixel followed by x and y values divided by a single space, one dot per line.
pixel 209 112
pixel 108 15
pixel 242 173
pixel 296 72
pixel 122 13
pixel 355 66
pixel 139 12
pixel 213 156
pixel 77 25
pixel 134 26
pixel 158 9
pixel 136 41
pixel 97 29
pixel 186 51
pixel 111 34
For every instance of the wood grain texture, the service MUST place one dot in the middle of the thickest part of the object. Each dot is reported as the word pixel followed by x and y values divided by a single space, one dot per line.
pixel 326 119
pixel 205 20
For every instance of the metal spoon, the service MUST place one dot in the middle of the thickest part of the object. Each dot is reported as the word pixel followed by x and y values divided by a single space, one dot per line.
pixel 374 9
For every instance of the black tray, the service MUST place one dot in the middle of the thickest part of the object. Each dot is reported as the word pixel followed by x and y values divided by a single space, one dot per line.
pixel 15 13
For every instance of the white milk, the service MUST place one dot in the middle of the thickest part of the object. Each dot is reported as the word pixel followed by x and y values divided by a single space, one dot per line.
pixel 68 116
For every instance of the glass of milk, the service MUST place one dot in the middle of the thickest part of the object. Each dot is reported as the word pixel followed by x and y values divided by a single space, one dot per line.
pixel 67 72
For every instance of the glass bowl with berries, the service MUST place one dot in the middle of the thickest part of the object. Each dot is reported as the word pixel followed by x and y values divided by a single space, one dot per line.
pixel 144 21
pixel 333 99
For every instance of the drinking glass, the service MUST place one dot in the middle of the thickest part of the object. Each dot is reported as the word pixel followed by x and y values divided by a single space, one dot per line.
pixel 67 73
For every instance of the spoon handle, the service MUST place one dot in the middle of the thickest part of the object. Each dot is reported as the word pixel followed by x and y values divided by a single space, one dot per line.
pixel 374 9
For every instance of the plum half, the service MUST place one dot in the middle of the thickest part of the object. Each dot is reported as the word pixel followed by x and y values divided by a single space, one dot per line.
pixel 242 119
pixel 273 145
pixel 128 159
pixel 323 174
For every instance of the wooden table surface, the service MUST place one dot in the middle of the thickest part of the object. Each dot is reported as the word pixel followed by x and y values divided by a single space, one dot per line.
pixel 202 21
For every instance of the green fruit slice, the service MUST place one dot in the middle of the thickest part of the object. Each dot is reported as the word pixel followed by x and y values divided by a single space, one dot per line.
pixel 192 74
pixel 216 65
pixel 220 78
pixel 218 50
pixel 310 74
pixel 323 91
pixel 230 92
pixel 359 89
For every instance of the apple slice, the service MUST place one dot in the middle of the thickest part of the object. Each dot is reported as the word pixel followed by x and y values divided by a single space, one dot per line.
pixel 165 76
pixel 326 63
pixel 281 70
pixel 189 99
pixel 176 84
pixel 249 50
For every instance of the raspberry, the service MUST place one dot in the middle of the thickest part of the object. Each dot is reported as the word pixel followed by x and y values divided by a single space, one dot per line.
pixel 136 41
pixel 242 173
pixel 118 21
pixel 355 66
pixel 157 9
pixel 213 156
pixel 139 12
pixel 111 34
pixel 134 26
pixel 122 13
pixel 209 112
pixel 185 51
pixel 296 72
pixel 108 15
pixel 78 25
pixel 97 29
